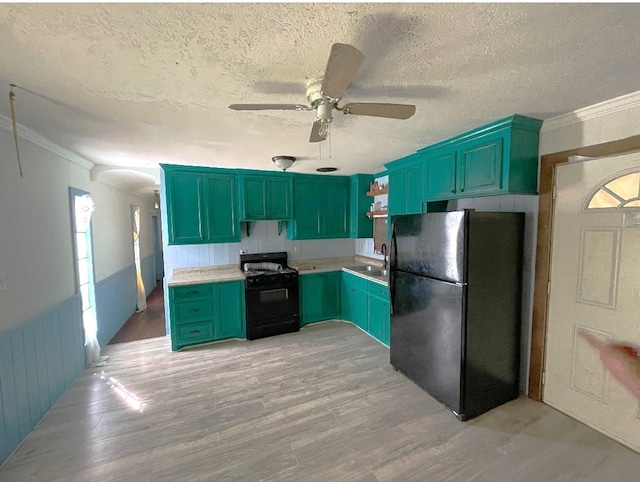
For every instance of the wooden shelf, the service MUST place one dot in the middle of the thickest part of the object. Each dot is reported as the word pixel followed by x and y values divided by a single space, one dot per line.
pixel 378 192
pixel 377 214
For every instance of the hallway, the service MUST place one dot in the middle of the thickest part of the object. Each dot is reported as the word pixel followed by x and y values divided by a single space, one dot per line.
pixel 149 323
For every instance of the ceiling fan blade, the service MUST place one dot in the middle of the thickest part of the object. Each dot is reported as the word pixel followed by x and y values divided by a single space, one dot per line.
pixel 315 132
pixel 344 61
pixel 390 111
pixel 268 107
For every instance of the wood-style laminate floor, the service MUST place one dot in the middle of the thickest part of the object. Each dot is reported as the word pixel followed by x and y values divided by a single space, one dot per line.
pixel 319 405
pixel 149 323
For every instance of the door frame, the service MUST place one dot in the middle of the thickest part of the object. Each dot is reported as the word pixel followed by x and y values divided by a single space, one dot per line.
pixel 548 163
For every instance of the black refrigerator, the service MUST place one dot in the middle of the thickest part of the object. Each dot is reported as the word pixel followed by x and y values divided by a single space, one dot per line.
pixel 456 289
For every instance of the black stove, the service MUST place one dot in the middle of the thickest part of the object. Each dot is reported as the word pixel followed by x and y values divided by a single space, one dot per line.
pixel 271 295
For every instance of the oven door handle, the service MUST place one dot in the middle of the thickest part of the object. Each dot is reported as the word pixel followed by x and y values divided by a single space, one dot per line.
pixel 270 288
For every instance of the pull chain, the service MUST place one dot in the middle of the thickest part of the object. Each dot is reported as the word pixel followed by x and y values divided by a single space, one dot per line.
pixel 15 127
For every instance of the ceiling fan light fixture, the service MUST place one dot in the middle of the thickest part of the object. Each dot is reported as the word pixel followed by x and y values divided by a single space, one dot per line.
pixel 283 162
pixel 323 130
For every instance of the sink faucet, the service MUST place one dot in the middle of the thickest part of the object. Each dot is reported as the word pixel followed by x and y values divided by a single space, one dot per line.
pixel 383 250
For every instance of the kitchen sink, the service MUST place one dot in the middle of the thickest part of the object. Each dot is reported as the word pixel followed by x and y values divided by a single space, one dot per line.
pixel 369 270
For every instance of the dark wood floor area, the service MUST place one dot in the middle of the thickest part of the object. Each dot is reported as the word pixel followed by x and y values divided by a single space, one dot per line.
pixel 149 323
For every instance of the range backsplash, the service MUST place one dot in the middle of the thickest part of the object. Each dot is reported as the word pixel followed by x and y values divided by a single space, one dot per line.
pixel 263 238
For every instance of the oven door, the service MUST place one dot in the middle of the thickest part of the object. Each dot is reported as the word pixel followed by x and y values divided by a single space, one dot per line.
pixel 265 303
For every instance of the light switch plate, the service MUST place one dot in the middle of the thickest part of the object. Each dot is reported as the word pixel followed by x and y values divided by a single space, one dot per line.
pixel 3 285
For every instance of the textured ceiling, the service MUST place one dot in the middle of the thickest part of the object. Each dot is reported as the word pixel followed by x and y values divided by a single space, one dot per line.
pixel 142 84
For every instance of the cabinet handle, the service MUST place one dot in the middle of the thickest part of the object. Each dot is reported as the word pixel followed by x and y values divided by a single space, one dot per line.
pixel 195 292
pixel 194 310
pixel 193 332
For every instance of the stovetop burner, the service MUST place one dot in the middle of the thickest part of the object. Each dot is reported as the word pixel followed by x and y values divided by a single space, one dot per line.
pixel 253 272
pixel 264 263
pixel 277 269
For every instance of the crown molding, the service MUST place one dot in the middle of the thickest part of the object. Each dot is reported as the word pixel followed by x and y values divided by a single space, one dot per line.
pixel 39 140
pixel 602 109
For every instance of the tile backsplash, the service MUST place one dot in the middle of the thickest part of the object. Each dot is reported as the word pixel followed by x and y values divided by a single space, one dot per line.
pixel 263 238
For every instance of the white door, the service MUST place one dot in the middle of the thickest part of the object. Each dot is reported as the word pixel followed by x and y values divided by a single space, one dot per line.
pixel 595 286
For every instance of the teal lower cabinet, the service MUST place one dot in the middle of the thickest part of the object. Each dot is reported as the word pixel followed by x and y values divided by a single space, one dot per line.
pixel 320 297
pixel 366 304
pixel 230 321
pixel 208 312
pixel 379 319
pixel 361 315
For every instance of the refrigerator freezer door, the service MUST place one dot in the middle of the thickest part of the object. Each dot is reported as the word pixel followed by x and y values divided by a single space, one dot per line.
pixel 426 335
pixel 430 245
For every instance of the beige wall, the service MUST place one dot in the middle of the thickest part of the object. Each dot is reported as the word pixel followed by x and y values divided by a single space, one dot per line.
pixel 611 120
pixel 36 252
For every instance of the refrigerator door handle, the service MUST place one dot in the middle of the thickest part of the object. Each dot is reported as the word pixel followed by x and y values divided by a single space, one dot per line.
pixel 393 265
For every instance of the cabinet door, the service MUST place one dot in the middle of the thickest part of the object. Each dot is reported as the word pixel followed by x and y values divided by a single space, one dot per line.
pixel 229 307
pixel 310 298
pixel 386 322
pixel 331 295
pixel 397 187
pixel 306 201
pixel 440 176
pixel 376 317
pixel 253 198
pixel 185 205
pixel 413 189
pixel 348 303
pixel 222 215
pixel 278 198
pixel 481 167
pixel 360 226
pixel 361 315
pixel 334 210
pixel 320 298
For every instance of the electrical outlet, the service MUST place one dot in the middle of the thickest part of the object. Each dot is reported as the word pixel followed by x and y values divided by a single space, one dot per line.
pixel 243 251
pixel 3 285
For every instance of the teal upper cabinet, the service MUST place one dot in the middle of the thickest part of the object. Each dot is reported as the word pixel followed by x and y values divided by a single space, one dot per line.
pixel 406 186
pixel 499 158
pixel 186 207
pixel 222 214
pixel 306 200
pixel 201 205
pixel 321 208
pixel 480 167
pixel 334 209
pixel 360 226
pixel 265 197
pixel 440 176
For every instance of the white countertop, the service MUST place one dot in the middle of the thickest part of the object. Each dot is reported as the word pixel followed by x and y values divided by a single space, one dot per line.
pixel 216 274
pixel 207 274
pixel 323 265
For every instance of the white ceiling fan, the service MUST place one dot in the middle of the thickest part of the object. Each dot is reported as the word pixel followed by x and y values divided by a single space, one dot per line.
pixel 324 93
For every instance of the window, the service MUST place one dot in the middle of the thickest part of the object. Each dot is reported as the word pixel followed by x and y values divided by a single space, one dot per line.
pixel 622 192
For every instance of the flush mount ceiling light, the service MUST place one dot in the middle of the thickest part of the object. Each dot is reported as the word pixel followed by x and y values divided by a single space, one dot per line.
pixel 327 169
pixel 283 162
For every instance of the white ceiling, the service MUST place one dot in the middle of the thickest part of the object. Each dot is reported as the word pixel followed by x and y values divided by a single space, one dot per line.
pixel 141 84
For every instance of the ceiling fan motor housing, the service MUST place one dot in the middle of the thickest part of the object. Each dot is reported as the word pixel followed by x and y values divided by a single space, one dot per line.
pixel 323 105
